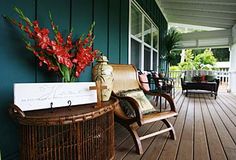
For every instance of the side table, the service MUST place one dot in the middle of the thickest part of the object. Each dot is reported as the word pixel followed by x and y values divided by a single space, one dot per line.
pixel 80 132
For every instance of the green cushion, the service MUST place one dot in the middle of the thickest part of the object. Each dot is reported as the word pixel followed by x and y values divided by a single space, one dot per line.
pixel 210 78
pixel 188 78
pixel 140 98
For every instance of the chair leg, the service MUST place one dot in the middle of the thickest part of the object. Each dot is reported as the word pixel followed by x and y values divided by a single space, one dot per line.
pixel 133 131
pixel 172 131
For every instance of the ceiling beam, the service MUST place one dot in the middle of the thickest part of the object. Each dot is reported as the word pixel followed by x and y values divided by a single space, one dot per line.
pixel 205 2
pixel 200 7
pixel 200 23
pixel 207 35
pixel 206 14
pixel 200 1
pixel 202 19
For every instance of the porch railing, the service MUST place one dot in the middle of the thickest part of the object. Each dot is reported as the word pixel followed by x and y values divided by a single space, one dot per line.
pixel 223 75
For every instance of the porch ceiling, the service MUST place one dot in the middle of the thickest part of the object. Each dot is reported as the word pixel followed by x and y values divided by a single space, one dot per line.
pixel 211 13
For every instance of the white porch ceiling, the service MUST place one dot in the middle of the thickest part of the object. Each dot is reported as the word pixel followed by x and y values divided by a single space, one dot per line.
pixel 211 13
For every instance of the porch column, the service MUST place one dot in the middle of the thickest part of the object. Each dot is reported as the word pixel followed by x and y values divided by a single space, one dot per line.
pixel 183 55
pixel 232 78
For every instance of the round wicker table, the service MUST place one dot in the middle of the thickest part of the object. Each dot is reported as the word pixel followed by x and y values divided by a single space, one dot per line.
pixel 80 132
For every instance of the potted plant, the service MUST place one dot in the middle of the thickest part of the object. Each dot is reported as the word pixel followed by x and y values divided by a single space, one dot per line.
pixel 172 39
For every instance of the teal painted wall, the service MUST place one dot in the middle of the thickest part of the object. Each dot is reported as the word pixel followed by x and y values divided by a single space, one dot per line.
pixel 19 65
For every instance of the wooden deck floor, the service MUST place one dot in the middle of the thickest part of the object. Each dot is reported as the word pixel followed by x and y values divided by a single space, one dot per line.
pixel 205 129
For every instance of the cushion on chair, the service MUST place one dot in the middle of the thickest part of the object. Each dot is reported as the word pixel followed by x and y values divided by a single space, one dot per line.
pixel 188 78
pixel 203 77
pixel 140 98
pixel 144 81
pixel 210 78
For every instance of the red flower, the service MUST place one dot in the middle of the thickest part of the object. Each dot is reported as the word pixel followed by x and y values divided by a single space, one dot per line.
pixel 58 55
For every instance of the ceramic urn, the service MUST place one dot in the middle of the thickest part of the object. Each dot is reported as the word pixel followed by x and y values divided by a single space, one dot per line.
pixel 102 71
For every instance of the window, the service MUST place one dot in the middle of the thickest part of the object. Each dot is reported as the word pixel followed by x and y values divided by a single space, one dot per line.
pixel 144 40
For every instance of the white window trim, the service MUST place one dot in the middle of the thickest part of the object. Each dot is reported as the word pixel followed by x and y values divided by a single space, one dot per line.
pixel 144 14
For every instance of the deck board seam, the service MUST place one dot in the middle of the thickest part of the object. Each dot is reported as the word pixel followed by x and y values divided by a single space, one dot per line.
pixel 217 131
pixel 179 109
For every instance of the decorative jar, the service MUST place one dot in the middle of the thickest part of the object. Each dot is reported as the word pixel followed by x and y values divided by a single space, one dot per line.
pixel 102 72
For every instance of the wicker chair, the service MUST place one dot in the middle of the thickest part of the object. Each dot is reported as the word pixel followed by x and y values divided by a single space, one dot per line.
pixel 126 78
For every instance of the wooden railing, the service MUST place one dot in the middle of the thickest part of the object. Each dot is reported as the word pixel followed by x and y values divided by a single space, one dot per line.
pixel 223 75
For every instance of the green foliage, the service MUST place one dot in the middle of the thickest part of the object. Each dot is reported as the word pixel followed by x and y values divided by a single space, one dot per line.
pixel 188 64
pixel 205 60
pixel 222 54
pixel 172 42
pixel 173 73
pixel 174 68
pixel 175 57
pixel 197 51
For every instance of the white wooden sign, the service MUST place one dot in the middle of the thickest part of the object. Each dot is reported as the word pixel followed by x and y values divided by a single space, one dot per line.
pixel 33 96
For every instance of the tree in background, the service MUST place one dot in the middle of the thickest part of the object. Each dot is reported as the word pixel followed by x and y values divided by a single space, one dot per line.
pixel 188 63
pixel 205 60
pixel 222 54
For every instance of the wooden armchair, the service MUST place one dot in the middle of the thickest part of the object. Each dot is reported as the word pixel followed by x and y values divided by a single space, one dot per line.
pixel 126 79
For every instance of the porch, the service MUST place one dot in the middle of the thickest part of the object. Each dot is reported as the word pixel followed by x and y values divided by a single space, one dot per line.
pixel 205 129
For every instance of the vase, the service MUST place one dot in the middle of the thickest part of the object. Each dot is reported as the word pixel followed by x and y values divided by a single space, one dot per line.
pixel 103 72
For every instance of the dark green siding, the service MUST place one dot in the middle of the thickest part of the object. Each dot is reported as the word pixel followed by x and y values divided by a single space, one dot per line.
pixel 19 65
pixel 124 30
pixel 62 19
pixel 113 34
pixel 82 18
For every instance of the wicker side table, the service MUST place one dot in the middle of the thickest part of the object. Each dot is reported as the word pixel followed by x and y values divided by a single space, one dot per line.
pixel 76 133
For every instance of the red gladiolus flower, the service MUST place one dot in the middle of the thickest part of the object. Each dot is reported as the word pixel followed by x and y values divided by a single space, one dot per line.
pixel 56 53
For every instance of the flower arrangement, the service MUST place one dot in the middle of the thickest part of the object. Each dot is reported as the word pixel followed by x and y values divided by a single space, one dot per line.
pixel 64 56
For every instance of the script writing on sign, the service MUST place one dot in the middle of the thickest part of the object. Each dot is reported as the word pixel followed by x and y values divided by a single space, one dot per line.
pixel 34 96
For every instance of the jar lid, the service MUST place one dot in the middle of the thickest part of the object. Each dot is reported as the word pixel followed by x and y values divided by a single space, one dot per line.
pixel 102 59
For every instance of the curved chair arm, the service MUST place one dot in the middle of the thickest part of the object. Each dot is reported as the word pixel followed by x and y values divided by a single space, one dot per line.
pixel 166 96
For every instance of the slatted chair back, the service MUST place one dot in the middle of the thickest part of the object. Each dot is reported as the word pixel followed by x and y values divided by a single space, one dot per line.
pixel 125 77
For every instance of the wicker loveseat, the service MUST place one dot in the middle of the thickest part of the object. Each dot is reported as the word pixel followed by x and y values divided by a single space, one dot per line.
pixel 209 83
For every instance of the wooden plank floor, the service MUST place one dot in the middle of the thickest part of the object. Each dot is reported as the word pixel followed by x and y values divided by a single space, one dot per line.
pixel 205 129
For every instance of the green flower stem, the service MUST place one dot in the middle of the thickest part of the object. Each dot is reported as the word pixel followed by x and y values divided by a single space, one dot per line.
pixel 22 16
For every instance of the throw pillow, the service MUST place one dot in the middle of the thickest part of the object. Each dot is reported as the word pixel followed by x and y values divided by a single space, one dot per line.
pixel 127 108
pixel 203 78
pixel 144 81
pixel 140 98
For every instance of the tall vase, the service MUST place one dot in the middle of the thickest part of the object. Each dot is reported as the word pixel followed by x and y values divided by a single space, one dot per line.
pixel 103 72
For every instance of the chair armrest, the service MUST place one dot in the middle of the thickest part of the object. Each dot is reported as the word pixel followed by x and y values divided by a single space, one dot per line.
pixel 217 80
pixel 182 81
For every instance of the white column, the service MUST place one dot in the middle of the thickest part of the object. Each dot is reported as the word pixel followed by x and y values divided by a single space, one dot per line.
pixel 232 78
pixel 182 55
